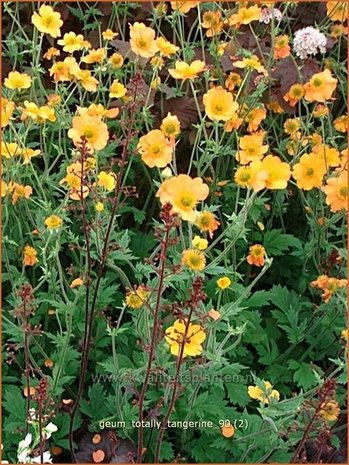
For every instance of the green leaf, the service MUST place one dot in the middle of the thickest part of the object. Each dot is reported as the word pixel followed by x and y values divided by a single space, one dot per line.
pixel 237 393
pixel 303 375
pixel 276 242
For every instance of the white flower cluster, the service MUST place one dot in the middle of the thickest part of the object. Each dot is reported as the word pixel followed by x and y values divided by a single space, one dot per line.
pixel 309 41
pixel 269 14
pixel 25 447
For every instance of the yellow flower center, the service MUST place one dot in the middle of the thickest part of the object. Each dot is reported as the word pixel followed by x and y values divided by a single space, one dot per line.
pixel 317 82
pixel 88 133
pixel 309 172
pixel 48 21
pixel 244 177
pixel 141 43
pixel 219 108
pixel 187 201
pixel 156 149
pixel 343 191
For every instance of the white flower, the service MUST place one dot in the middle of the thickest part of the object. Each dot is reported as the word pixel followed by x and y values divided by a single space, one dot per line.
pixel 49 429
pixel 46 458
pixel 270 13
pixel 309 41
pixel 24 449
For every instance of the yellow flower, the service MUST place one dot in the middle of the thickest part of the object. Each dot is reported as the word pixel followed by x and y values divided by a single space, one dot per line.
pixel 194 259
pixel 29 256
pixel 155 149
pixel 320 87
pixel 279 172
pixel 137 297
pixel 170 126
pixel 39 114
pixel 328 155
pixel 265 395
pixel 184 71
pixel 10 149
pixel 183 193
pixel 344 334
pixel 212 21
pixel 165 47
pixel 232 81
pixel 294 94
pixel 185 338
pixel 48 21
pixel 336 191
pixel 72 42
pixel 27 154
pixel 291 126
pixel 219 104
pixel 252 176
pixel 282 48
pixel 92 129
pixel 337 11
pixel 53 100
pixel 106 180
pixel 330 410
pixel 116 60
pixel 76 283
pixel 97 109
pixel 245 16
pixel 94 56
pixel 53 222
pixel 108 34
pixel 51 52
pixel 251 63
pixel 309 172
pixel 142 40
pixel 7 109
pixel 251 148
pixel 207 222
pixel 99 207
pixel 87 81
pixel 183 6
pixel 117 90
pixel 256 255
pixel 200 243
pixel 17 81
pixel 223 282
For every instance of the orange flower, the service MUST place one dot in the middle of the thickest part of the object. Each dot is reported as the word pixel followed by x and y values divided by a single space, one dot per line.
pixel 309 172
pixel 219 104
pixel 295 93
pixel 256 255
pixel 228 430
pixel 98 110
pixel 29 256
pixel 329 156
pixel 214 314
pixel 64 70
pixel 20 192
pixel 92 128
pixel 336 191
pixel 76 282
pixel 51 52
pixel 254 118
pixel 184 71
pixel 212 21
pixel 337 11
pixel 94 56
pixel 291 126
pixel 183 6
pixel 183 193
pixel 87 81
pixel 245 16
pixel 142 40
pixel 116 60
pixel 320 87
pixel 251 148
pixel 282 48
pixel 341 123
pixel 194 259
pixel 207 222
pixel 232 81
pixel 328 285
pixel 155 149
